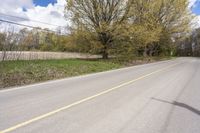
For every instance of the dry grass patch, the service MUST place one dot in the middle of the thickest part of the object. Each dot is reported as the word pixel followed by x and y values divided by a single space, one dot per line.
pixel 16 73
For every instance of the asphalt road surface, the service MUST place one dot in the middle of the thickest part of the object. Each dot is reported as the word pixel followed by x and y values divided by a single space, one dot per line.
pixel 162 97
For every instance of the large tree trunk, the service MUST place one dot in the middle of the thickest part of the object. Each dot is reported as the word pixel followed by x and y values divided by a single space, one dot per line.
pixel 105 40
pixel 105 53
pixel 145 51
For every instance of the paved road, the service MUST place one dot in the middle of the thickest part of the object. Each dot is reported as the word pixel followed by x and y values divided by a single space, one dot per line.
pixel 161 97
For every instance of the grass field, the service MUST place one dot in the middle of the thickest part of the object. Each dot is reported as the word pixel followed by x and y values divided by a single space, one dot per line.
pixel 41 55
pixel 16 73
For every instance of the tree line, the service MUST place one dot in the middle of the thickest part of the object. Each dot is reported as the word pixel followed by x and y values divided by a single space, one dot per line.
pixel 190 46
pixel 119 28
pixel 129 27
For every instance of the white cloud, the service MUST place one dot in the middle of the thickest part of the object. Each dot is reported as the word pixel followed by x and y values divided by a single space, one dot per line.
pixel 192 3
pixel 196 21
pixel 12 5
pixel 52 14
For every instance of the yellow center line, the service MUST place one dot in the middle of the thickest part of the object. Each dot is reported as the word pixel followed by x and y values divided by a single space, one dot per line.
pixel 80 101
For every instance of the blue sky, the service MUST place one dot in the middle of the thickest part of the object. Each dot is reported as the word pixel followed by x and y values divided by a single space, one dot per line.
pixel 44 2
pixel 196 8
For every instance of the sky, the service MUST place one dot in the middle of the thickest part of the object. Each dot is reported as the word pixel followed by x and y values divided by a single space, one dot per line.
pixel 51 12
pixel 29 12
pixel 196 7
pixel 44 2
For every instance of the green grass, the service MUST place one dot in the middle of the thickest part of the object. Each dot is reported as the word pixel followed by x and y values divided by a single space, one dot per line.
pixel 15 73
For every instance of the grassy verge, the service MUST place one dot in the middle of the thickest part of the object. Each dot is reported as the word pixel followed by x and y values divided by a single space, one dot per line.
pixel 15 73
pixel 135 61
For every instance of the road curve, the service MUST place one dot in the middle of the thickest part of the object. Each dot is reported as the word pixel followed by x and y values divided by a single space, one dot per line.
pixel 162 97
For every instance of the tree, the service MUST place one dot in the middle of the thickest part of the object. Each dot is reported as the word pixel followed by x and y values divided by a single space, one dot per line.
pixel 163 20
pixel 175 18
pixel 100 18
pixel 2 40
pixel 9 38
pixel 190 46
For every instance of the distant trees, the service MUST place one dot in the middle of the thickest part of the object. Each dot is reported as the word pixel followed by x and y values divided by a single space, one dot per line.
pixel 8 41
pixel 2 39
pixel 35 39
pixel 30 40
pixel 190 46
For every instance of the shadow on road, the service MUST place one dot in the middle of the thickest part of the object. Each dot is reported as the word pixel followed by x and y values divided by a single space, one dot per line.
pixel 183 105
